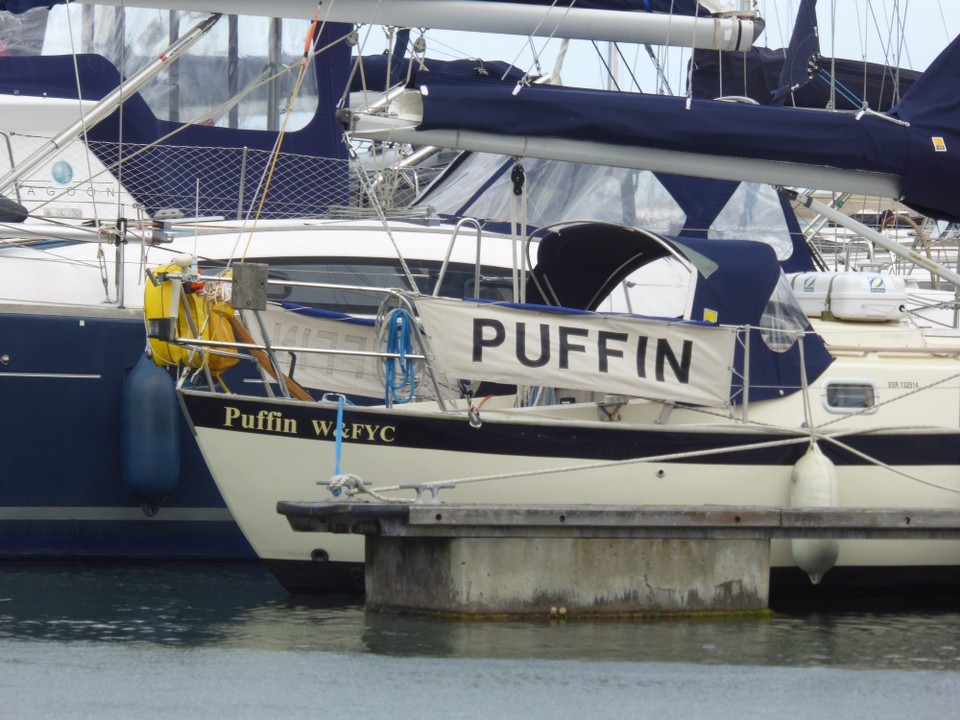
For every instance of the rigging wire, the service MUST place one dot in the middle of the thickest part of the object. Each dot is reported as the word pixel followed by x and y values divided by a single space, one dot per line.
pixel 312 37
pixel 76 73
pixel 536 56
pixel 101 257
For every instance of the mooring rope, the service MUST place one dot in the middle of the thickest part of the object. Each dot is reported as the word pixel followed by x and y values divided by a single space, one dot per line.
pixel 358 486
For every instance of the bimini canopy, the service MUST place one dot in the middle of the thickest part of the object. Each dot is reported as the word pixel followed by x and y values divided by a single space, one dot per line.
pixel 735 282
pixel 165 175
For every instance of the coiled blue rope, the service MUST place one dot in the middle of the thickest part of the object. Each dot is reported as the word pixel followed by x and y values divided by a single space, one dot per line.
pixel 399 373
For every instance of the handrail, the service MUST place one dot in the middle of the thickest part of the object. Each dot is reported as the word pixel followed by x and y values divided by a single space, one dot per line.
pixel 929 350
pixel 446 259
pixel 443 387
pixel 199 342
pixel 403 299
pixel 6 140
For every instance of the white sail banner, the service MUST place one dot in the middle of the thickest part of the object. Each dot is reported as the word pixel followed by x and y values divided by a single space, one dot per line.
pixel 659 359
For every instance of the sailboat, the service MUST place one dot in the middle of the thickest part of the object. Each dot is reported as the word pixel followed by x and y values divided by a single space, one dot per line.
pixel 72 318
pixel 756 389
pixel 626 409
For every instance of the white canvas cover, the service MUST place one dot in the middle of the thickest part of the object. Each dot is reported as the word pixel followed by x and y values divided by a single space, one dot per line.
pixel 659 359
pixel 349 374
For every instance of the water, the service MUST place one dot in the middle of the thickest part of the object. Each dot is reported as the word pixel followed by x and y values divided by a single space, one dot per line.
pixel 185 641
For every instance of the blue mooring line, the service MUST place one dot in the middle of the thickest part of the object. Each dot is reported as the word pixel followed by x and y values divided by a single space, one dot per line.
pixel 339 434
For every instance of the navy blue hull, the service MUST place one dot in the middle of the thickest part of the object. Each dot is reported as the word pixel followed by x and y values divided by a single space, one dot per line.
pixel 62 492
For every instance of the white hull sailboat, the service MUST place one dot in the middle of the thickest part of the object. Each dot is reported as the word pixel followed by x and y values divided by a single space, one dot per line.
pixel 739 409
pixel 614 409
pixel 731 399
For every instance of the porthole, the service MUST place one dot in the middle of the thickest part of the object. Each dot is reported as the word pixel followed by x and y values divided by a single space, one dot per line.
pixel 849 396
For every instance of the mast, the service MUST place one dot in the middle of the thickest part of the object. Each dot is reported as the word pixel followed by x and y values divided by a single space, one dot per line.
pixel 735 32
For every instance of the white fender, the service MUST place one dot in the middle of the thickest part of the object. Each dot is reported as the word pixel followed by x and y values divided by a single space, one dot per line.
pixel 813 483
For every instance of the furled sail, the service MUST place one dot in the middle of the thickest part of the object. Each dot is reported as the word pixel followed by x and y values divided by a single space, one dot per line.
pixel 700 8
pixel 910 153
pixel 804 49
pixel 799 75
pixel 756 74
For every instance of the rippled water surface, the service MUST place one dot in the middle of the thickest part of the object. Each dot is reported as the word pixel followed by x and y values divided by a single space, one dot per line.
pixel 227 640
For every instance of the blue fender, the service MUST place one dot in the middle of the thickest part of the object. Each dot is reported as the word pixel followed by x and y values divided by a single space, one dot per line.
pixel 150 434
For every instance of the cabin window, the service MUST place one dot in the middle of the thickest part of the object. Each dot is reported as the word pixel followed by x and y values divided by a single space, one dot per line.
pixel 754 213
pixel 782 321
pixel 375 273
pixel 848 396
pixel 206 85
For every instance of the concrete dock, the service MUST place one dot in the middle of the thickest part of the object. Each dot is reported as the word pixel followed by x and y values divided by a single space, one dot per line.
pixel 587 561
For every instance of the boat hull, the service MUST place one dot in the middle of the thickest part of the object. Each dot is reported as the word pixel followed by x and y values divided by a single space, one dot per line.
pixel 68 348
pixel 401 446
pixel 62 493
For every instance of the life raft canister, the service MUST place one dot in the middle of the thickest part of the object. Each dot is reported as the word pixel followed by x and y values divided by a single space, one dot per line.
pixel 197 315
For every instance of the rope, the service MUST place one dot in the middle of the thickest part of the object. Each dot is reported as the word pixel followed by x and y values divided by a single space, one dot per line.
pixel 312 37
pixel 400 373
pixel 842 89
pixel 339 447
pixel 375 203
pixel 351 485
pixel 801 438
pixel 885 466
pixel 804 438
pixel 871 408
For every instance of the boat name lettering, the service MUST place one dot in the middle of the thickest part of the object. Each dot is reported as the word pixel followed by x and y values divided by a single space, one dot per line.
pixel 266 421
pixel 356 431
pixel 607 346
pixel 33 189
